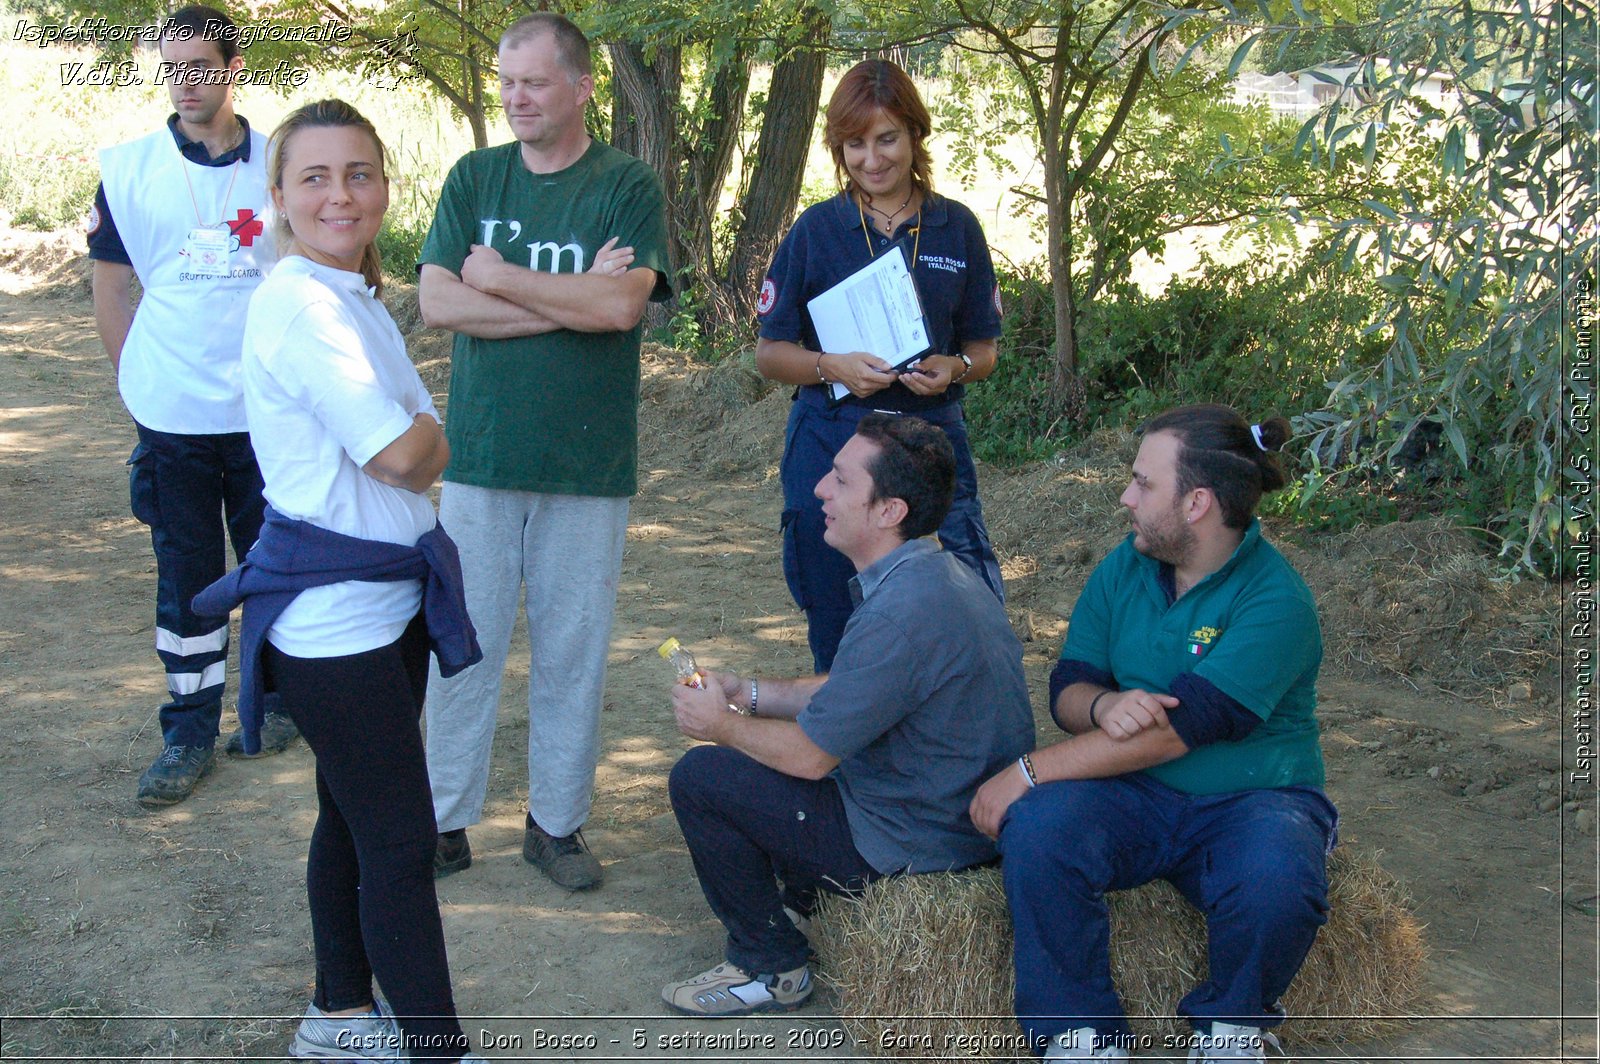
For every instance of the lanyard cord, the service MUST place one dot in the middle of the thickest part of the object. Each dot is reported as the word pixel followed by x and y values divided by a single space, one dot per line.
pixel 221 218
pixel 866 233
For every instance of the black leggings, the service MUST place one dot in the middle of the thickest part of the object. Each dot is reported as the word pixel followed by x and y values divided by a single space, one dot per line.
pixel 369 876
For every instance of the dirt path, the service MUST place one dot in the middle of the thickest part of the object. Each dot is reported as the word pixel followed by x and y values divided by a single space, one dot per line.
pixel 134 934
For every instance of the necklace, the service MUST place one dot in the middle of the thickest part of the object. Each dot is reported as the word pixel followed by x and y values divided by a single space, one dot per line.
pixel 916 233
pixel 888 219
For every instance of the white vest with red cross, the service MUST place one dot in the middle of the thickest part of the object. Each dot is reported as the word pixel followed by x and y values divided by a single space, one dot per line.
pixel 199 244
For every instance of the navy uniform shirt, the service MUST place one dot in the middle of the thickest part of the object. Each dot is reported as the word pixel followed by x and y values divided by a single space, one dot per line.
pixel 953 271
pixel 105 243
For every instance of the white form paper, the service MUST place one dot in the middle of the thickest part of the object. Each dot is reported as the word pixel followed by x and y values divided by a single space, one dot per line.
pixel 876 310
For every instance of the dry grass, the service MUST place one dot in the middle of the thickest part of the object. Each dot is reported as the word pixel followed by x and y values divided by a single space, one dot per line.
pixel 923 963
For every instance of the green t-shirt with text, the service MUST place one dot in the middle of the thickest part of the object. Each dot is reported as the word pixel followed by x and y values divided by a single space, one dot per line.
pixel 554 413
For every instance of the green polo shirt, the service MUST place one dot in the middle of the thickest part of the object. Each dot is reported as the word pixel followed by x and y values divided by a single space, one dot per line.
pixel 1250 628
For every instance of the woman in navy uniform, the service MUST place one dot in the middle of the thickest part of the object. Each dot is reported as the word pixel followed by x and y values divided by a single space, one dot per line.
pixel 877 130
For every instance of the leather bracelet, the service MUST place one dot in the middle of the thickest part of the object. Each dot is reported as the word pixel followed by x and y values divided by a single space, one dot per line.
pixel 818 367
pixel 1096 701
pixel 755 694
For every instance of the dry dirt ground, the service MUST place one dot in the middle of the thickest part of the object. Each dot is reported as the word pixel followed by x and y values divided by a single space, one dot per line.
pixel 183 934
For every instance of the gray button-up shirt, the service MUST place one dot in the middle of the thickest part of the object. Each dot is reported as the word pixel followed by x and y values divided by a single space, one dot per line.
pixel 925 701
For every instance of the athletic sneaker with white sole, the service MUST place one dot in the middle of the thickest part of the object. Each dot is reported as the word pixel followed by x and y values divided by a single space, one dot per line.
pixel 1232 1042
pixel 373 1036
pixel 728 990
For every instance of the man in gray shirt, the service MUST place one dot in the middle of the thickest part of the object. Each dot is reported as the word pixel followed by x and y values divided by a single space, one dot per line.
pixel 829 782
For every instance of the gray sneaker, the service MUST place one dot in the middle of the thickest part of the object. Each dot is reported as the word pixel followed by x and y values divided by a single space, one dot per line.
pixel 172 775
pixel 277 732
pixel 566 860
pixel 728 990
pixel 373 1036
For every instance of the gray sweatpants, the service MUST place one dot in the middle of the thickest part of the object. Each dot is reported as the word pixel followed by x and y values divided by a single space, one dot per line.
pixel 565 552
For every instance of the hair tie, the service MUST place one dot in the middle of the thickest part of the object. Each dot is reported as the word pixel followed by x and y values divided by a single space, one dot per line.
pixel 1255 434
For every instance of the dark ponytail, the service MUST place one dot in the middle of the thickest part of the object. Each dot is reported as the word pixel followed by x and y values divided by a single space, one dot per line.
pixel 1236 461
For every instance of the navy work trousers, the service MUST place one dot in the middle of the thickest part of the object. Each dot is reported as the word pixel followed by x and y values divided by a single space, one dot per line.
pixel 197 493
pixel 748 826
pixel 1253 863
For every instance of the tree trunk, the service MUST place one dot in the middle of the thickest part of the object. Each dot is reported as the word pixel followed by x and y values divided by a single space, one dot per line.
pixel 768 207
pixel 710 155
pixel 651 91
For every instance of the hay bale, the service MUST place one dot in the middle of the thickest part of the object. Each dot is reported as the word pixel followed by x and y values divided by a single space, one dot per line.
pixel 922 964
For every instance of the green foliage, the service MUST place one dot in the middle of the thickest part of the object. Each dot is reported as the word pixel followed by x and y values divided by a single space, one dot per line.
pixel 1482 260
pixel 1338 38
pixel 1237 334
pixel 47 197
pixel 1013 414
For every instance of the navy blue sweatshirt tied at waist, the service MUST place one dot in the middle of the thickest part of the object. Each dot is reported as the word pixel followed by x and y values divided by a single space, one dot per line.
pixel 294 555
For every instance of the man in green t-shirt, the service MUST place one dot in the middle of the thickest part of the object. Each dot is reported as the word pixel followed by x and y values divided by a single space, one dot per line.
pixel 1188 683
pixel 542 257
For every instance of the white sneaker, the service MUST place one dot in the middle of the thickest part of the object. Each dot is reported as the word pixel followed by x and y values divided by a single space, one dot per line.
pixel 1232 1042
pixel 1079 1045
pixel 369 1036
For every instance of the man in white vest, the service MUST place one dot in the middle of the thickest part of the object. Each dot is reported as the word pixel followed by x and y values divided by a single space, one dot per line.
pixel 181 209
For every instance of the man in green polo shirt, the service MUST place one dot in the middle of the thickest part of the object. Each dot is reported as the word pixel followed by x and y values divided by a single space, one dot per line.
pixel 1188 685
pixel 528 261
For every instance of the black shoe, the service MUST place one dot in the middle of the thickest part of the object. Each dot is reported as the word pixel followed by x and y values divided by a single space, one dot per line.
pixel 277 732
pixel 566 860
pixel 172 775
pixel 452 854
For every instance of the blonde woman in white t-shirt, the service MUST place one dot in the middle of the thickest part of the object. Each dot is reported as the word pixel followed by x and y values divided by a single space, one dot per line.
pixel 349 440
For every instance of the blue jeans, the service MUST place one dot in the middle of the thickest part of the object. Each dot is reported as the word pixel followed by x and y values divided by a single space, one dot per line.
pixel 819 576
pixel 747 826
pixel 197 493
pixel 1253 863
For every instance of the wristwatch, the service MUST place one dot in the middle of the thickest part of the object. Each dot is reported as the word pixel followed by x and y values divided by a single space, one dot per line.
pixel 965 361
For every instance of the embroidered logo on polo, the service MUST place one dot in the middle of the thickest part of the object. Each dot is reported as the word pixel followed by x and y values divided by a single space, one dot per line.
pixel 768 296
pixel 1200 640
pixel 92 223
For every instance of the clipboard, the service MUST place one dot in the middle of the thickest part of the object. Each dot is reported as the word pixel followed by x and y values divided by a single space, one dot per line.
pixel 877 309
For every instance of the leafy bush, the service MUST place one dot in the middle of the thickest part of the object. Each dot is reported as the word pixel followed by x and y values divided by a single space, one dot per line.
pixel 1013 415
pixel 1263 336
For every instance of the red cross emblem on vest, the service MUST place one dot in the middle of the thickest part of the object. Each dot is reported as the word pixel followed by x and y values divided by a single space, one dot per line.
pixel 246 227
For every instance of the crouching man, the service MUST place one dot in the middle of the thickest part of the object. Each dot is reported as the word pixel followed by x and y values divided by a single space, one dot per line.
pixel 1188 684
pixel 829 782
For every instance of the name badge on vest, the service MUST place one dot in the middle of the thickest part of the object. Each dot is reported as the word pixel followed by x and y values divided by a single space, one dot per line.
pixel 207 249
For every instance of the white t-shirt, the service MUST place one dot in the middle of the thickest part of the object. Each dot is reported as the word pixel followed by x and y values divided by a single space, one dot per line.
pixel 327 385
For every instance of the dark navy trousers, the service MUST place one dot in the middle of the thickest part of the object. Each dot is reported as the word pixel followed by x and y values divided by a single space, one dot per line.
pixel 197 493
pixel 369 875
pixel 819 576
pixel 749 826
pixel 1253 863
